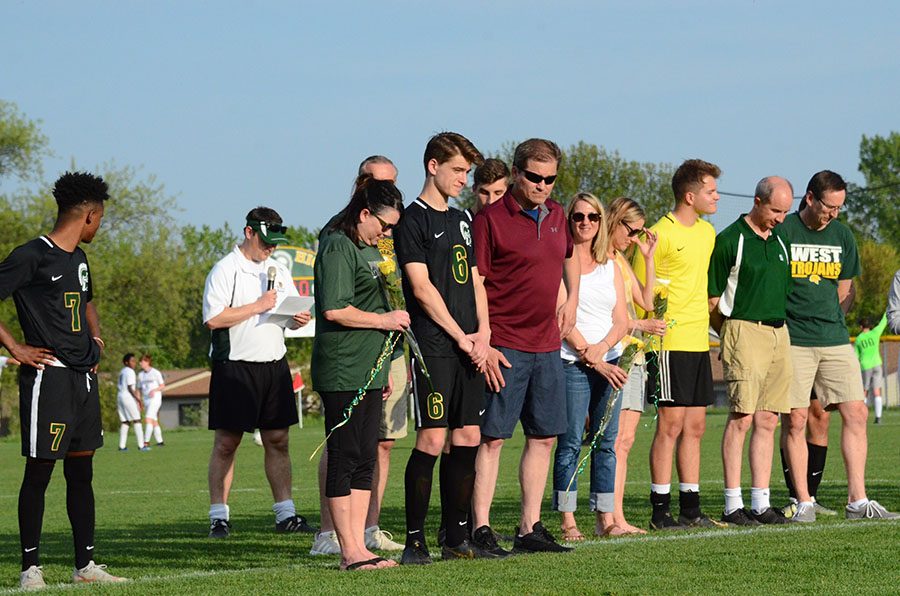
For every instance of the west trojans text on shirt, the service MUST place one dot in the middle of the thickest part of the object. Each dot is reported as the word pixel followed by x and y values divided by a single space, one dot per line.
pixel 815 262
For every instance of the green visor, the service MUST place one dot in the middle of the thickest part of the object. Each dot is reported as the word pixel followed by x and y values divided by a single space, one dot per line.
pixel 269 232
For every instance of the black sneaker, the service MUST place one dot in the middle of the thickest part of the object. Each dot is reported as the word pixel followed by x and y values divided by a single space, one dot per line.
pixel 486 539
pixel 701 521
pixel 295 523
pixel 740 517
pixel 539 540
pixel 219 528
pixel 770 516
pixel 415 554
pixel 466 550
pixel 665 522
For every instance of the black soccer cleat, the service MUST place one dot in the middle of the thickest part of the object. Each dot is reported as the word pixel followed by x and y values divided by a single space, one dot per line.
pixel 701 521
pixel 770 516
pixel 295 523
pixel 486 540
pixel 219 528
pixel 741 517
pixel 539 540
pixel 415 554
pixel 665 522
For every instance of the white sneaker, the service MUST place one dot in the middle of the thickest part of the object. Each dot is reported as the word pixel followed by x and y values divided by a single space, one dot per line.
pixel 95 573
pixel 326 543
pixel 871 510
pixel 378 539
pixel 805 513
pixel 32 578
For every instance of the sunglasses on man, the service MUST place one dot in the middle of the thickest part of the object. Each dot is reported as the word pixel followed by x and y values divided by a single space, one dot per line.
pixel 537 178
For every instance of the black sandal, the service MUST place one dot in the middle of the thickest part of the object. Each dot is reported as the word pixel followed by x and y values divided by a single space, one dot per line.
pixel 354 566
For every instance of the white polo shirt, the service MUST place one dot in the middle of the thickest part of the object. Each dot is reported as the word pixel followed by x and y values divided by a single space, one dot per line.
pixel 235 281
pixel 127 378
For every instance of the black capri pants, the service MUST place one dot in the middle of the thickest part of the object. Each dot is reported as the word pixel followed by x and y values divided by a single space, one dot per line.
pixel 353 448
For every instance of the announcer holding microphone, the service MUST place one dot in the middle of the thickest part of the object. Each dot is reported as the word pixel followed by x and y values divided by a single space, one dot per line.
pixel 251 381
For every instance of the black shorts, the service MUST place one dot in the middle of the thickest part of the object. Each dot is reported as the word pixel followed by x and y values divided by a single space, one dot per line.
pixel 59 409
pixel 352 448
pixel 248 395
pixel 458 398
pixel 679 379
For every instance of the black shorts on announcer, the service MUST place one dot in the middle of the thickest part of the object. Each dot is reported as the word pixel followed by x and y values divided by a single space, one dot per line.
pixel 247 395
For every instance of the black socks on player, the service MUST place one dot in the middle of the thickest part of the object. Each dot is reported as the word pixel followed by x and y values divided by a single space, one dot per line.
pixel 815 468
pixel 31 508
pixel 457 481
pixel 418 480
pixel 689 504
pixel 457 484
pixel 79 472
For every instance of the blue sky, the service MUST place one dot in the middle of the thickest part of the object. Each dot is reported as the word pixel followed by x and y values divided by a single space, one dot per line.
pixel 235 104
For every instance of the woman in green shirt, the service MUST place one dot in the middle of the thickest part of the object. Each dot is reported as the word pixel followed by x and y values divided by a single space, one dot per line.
pixel 352 323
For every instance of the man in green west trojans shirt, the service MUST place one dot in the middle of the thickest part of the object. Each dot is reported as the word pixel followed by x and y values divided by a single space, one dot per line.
pixel 869 354
pixel 824 260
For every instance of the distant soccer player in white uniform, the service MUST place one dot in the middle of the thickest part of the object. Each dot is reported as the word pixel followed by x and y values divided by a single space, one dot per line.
pixel 152 385
pixel 129 404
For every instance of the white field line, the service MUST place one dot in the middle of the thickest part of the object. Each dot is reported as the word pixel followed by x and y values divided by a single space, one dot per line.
pixel 609 542
pixel 714 484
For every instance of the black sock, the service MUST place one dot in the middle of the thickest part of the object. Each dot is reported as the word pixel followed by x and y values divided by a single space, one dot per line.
pixel 689 503
pixel 418 479
pixel 786 469
pixel 79 473
pixel 446 498
pixel 816 466
pixel 660 504
pixel 460 484
pixel 31 508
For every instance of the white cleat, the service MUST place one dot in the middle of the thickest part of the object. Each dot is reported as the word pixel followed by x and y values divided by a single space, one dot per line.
pixel 32 579
pixel 326 543
pixel 95 573
pixel 378 539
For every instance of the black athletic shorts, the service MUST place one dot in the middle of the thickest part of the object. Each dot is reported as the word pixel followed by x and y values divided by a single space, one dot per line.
pixel 679 379
pixel 458 398
pixel 248 395
pixel 352 448
pixel 59 409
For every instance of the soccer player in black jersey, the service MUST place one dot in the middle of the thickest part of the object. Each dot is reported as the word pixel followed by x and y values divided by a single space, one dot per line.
pixel 50 282
pixel 448 312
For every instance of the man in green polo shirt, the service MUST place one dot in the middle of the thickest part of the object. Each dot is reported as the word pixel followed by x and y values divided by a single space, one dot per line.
pixel 824 261
pixel 749 280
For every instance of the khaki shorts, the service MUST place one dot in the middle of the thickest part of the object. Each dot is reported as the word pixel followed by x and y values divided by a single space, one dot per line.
pixel 833 373
pixel 757 364
pixel 394 414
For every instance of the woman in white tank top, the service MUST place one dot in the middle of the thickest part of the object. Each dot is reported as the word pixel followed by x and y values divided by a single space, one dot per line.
pixel 589 354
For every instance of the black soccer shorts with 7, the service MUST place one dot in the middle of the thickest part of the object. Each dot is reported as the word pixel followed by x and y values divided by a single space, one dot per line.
pixel 59 412
pixel 458 398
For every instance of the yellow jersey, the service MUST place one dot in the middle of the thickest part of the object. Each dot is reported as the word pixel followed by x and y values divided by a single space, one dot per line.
pixel 682 260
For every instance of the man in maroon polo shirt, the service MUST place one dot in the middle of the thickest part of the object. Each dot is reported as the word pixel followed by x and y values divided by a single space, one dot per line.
pixel 524 251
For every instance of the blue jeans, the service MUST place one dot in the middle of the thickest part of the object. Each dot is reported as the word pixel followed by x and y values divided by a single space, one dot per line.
pixel 586 391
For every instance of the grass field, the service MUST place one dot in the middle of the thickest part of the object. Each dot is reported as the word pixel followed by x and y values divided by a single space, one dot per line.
pixel 152 524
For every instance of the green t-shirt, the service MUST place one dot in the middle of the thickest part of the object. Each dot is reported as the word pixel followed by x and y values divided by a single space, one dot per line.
pixel 819 259
pixel 866 345
pixel 752 275
pixel 342 358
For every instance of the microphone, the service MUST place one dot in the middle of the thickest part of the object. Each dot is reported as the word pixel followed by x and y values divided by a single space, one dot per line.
pixel 270 275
